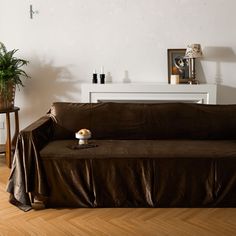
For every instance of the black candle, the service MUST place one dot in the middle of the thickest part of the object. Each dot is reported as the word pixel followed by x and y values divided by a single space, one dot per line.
pixel 102 76
pixel 95 80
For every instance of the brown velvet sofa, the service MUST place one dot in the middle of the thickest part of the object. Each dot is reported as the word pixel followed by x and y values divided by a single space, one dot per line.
pixel 147 155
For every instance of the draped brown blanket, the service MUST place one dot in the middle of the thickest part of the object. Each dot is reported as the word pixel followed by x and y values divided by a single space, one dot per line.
pixel 27 174
pixel 133 172
pixel 164 173
pixel 142 173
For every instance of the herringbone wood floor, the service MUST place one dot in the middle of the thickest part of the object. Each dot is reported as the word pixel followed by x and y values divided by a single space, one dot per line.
pixel 118 222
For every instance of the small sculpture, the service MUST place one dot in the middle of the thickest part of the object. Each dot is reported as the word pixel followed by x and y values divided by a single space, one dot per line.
pixel 83 135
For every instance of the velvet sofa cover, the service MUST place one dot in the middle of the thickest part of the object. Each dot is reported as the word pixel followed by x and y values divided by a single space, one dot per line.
pixel 148 155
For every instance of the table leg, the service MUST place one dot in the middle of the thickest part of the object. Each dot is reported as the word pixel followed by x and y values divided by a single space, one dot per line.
pixel 8 141
pixel 16 129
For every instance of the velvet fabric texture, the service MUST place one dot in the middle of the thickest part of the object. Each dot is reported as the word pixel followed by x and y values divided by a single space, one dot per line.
pixel 147 155
pixel 141 173
pixel 145 121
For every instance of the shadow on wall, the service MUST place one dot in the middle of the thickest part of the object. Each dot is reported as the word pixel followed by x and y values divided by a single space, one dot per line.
pixel 47 85
pixel 200 73
pixel 226 94
pixel 219 55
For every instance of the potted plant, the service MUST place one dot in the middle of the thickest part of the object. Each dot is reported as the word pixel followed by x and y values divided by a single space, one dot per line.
pixel 10 76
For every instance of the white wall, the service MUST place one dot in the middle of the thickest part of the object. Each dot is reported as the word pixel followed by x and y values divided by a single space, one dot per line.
pixel 68 39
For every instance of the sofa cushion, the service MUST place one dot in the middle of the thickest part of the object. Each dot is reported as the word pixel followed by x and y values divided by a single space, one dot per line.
pixel 60 149
pixel 145 121
pixel 141 173
pixel 191 121
pixel 105 120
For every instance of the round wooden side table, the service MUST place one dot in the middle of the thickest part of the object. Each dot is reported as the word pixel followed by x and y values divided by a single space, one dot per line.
pixel 10 143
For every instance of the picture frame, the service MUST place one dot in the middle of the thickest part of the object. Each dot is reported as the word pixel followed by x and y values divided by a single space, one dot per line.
pixel 178 65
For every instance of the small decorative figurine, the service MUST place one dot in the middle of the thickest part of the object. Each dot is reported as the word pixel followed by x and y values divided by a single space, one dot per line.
pixel 83 135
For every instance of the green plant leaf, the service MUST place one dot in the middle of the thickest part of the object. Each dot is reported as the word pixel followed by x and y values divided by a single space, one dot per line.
pixel 10 69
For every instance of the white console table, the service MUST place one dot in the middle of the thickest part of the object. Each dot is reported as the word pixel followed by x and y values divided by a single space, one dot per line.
pixel 149 93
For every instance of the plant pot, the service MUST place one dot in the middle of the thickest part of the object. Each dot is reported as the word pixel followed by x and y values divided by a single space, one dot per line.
pixel 7 96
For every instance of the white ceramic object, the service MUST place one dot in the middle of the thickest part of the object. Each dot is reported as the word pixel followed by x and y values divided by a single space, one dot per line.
pixel 174 79
pixel 83 135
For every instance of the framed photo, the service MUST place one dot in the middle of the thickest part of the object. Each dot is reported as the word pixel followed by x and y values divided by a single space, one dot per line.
pixel 178 65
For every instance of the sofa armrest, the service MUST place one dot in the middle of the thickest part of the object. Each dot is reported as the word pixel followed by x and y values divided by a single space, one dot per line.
pixel 27 173
pixel 41 131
